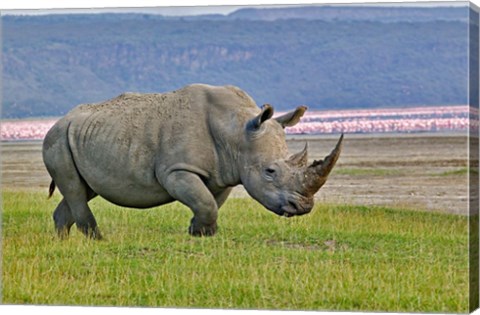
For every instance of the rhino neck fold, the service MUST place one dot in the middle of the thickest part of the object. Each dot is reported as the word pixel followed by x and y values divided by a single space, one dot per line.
pixel 227 161
pixel 226 136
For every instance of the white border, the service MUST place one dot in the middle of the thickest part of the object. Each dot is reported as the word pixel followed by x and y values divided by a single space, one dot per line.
pixel 86 4
pixel 72 4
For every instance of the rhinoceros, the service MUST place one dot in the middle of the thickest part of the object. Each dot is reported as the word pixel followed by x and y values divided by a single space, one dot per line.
pixel 192 145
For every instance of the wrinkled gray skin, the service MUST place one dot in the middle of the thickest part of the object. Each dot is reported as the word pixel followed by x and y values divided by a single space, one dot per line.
pixel 192 145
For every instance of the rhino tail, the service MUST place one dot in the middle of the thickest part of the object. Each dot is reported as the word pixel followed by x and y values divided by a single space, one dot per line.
pixel 51 189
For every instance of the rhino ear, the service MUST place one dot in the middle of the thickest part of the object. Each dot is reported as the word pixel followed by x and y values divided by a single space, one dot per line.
pixel 256 122
pixel 291 118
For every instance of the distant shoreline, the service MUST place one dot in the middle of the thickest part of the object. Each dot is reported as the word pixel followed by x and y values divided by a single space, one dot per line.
pixel 381 121
pixel 439 134
pixel 303 137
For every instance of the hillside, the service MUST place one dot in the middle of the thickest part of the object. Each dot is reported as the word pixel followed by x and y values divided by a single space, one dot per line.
pixel 354 13
pixel 53 62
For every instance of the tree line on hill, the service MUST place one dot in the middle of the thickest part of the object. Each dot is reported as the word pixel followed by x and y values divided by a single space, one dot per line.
pixel 54 62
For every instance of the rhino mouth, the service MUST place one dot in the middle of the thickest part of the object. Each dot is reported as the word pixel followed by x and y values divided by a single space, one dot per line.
pixel 293 208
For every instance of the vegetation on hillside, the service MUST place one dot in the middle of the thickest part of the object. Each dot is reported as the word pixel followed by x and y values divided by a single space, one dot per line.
pixel 54 62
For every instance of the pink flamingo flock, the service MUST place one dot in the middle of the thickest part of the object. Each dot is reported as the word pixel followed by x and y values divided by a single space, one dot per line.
pixel 404 120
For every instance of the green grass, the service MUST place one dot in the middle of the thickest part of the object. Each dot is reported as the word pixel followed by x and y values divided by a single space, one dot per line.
pixel 382 172
pixel 460 171
pixel 336 258
pixel 368 171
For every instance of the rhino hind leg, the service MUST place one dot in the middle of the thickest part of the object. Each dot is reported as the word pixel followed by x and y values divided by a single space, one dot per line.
pixel 74 209
pixel 76 192
pixel 81 213
pixel 64 219
pixel 189 189
pixel 62 216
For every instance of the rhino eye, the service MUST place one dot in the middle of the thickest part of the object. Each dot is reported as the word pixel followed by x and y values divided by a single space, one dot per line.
pixel 270 173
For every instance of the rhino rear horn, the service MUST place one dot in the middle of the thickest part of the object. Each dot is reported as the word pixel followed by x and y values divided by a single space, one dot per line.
pixel 299 159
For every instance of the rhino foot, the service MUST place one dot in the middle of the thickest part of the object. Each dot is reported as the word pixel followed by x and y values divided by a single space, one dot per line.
pixel 63 232
pixel 196 229
pixel 91 232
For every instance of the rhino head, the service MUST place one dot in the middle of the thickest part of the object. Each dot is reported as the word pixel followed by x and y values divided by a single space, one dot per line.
pixel 285 184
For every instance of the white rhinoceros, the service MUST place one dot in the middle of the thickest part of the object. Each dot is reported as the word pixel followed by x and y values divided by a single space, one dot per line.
pixel 192 145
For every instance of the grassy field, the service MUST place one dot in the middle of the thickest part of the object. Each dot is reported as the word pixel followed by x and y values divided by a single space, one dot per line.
pixel 336 258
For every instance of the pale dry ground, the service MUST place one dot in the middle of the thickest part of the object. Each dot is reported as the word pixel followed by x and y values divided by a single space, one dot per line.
pixel 421 172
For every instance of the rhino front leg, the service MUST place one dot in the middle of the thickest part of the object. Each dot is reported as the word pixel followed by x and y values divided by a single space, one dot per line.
pixel 189 189
pixel 222 196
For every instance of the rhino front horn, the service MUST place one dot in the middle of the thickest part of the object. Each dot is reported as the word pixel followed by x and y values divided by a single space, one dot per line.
pixel 317 173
